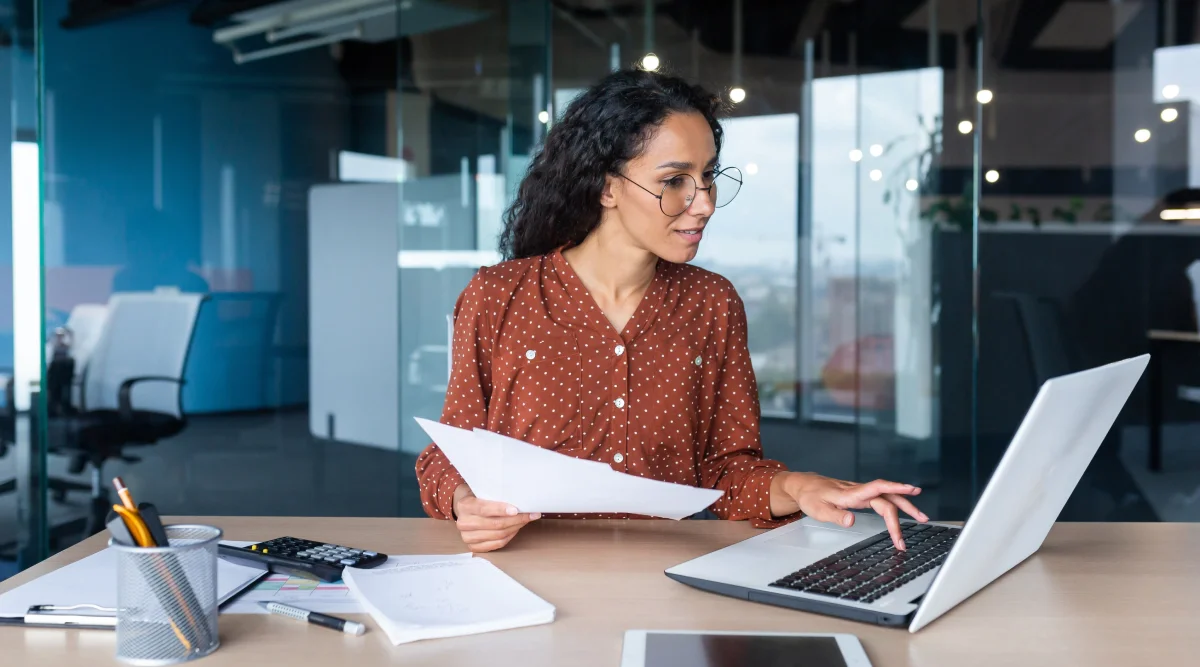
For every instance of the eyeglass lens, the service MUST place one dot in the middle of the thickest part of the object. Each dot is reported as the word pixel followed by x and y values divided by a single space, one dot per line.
pixel 679 193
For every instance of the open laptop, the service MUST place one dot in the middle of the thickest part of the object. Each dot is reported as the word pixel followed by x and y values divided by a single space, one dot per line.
pixel 856 573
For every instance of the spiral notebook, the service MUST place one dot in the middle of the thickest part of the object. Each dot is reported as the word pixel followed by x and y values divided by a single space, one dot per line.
pixel 445 599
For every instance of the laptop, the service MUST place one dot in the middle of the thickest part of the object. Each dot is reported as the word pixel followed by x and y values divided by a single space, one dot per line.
pixel 856 573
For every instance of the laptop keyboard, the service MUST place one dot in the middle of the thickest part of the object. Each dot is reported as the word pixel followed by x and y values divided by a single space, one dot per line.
pixel 873 568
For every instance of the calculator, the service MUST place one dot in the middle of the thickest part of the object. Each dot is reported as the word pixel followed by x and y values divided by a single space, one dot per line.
pixel 302 558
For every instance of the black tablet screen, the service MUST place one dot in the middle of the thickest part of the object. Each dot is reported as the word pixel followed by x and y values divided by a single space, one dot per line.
pixel 679 650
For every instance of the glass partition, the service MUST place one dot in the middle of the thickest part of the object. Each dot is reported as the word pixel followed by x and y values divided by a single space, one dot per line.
pixel 269 209
pixel 22 504
pixel 275 206
pixel 1088 251
pixel 476 107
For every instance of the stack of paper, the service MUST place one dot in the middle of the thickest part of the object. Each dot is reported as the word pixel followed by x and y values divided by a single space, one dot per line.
pixel 445 599
pixel 534 479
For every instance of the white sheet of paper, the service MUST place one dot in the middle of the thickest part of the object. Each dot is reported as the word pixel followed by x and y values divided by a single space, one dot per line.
pixel 93 580
pixel 328 598
pixel 446 599
pixel 534 479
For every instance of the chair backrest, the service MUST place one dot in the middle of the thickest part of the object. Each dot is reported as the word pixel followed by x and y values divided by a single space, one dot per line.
pixel 146 334
pixel 86 323
pixel 1193 274
pixel 1042 323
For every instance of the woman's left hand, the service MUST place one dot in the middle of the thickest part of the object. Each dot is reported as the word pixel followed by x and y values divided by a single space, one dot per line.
pixel 827 499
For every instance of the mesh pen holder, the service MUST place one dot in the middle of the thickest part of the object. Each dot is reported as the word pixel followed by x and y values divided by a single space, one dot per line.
pixel 167 598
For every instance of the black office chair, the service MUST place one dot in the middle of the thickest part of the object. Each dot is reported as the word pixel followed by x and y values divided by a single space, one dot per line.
pixel 8 431
pixel 1044 327
pixel 131 390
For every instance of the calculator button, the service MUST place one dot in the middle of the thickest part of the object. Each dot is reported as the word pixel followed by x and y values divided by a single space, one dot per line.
pixel 347 561
pixel 331 559
pixel 355 552
pixel 370 554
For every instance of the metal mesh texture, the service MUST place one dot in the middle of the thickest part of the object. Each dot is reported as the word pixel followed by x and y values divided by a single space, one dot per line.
pixel 167 598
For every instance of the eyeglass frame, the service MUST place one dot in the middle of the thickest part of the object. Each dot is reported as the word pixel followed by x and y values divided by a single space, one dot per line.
pixel 660 195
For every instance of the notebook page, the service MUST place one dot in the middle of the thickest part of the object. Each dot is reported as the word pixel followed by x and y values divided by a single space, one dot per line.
pixel 446 599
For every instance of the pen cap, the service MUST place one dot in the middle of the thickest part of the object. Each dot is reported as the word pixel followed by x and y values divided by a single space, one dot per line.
pixel 167 597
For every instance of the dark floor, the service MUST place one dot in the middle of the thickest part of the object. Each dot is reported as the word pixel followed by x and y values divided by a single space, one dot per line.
pixel 269 464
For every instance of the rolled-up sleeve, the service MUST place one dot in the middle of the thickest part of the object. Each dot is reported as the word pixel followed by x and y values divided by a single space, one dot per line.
pixel 467 395
pixel 733 459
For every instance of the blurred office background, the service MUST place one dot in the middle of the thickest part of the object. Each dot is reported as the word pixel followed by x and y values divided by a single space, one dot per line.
pixel 237 227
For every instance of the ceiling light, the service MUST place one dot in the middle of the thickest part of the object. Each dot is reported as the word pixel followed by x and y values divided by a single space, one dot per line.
pixel 991 176
pixel 1141 136
pixel 912 185
pixel 1170 91
pixel 984 96
pixel 876 150
pixel 1180 214
pixel 737 95
pixel 1169 114
pixel 752 168
pixel 965 127
pixel 650 62
pixel 876 174
pixel 544 117
pixel 855 155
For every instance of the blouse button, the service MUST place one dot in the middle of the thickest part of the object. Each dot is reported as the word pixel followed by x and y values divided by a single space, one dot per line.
pixel 619 457
pixel 620 403
pixel 620 350
pixel 530 354
pixel 699 361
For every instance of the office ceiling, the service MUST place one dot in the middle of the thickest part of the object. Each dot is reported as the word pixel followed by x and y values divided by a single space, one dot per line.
pixel 892 34
pixel 889 34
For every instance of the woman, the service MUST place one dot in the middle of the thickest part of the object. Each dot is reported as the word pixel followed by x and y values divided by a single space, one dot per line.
pixel 596 339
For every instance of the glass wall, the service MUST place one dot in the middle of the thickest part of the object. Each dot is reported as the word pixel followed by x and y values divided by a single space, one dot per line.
pixel 1088 251
pixel 22 514
pixel 256 223
pixel 271 209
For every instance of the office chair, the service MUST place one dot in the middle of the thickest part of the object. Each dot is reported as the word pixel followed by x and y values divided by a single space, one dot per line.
pixel 8 429
pixel 84 323
pixel 1043 326
pixel 131 388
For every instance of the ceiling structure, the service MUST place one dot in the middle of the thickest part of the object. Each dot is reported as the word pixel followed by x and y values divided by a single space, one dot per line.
pixel 1052 35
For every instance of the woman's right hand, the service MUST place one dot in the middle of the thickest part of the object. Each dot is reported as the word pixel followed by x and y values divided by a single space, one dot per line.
pixel 486 525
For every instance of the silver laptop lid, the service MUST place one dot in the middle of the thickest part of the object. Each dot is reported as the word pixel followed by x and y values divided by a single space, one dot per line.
pixel 1048 455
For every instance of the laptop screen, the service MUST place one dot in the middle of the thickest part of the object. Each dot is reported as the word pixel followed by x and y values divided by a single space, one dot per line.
pixel 687 650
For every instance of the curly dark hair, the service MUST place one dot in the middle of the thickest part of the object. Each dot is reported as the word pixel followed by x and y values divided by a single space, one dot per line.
pixel 558 202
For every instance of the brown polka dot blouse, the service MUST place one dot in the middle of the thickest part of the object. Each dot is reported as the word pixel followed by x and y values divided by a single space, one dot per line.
pixel 671 397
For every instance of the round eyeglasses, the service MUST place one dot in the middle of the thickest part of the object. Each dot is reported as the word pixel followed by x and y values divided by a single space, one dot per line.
pixel 679 192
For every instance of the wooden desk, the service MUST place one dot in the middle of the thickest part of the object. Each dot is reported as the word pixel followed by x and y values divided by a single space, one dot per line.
pixel 1160 341
pixel 1096 595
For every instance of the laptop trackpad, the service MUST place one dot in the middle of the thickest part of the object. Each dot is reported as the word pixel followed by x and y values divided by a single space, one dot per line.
pixel 815 537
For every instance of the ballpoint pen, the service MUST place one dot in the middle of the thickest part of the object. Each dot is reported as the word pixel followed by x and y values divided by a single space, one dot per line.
pixel 316 618
pixel 71 622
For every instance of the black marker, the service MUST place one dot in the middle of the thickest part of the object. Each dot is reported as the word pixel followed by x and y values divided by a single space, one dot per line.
pixel 316 618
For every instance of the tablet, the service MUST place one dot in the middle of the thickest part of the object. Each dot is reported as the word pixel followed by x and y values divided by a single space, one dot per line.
pixel 677 648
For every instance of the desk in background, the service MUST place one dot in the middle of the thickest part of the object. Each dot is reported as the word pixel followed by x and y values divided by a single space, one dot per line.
pixel 1097 595
pixel 1160 342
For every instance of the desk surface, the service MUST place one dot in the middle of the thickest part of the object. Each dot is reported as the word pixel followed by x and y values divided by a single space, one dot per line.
pixel 1095 595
